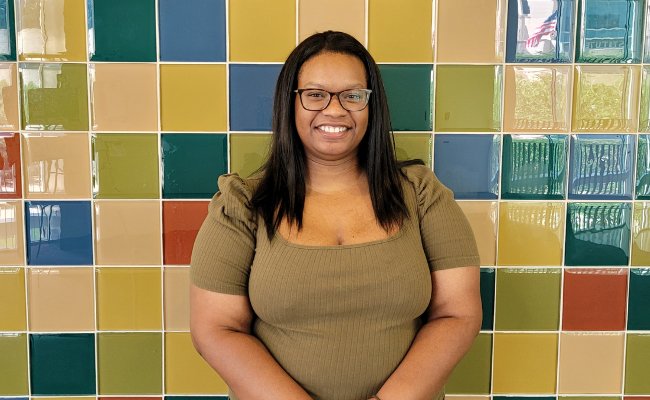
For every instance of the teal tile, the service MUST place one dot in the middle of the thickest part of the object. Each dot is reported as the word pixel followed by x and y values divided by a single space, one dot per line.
pixel 638 317
pixel 409 91
pixel 488 278
pixel 7 31
pixel 643 168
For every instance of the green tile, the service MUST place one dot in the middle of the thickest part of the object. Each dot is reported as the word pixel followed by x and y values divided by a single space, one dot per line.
pixel 643 168
pixel 472 374
pixel 468 98
pixel 528 299
pixel 8 32
pixel 54 97
pixel 488 278
pixel 248 151
pixel 409 146
pixel 126 166
pixel 129 363
pixel 13 364
pixel 637 364
pixel 124 30
pixel 409 90
pixel 638 312
pixel 62 364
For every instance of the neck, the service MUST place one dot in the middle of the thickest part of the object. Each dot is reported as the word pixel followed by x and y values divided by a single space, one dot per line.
pixel 333 176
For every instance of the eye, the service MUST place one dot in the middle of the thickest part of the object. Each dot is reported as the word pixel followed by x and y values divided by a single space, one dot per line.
pixel 354 96
pixel 315 94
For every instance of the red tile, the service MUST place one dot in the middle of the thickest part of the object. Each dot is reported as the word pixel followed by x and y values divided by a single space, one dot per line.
pixel 181 223
pixel 10 186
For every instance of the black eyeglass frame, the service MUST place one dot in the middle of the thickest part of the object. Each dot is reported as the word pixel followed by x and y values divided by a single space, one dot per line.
pixel 332 94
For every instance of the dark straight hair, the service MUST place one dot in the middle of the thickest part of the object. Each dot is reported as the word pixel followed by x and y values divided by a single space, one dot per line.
pixel 281 191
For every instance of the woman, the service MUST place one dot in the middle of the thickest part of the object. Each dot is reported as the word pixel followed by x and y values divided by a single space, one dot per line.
pixel 334 273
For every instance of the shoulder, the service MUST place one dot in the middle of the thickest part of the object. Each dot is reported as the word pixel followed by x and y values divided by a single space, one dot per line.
pixel 426 186
pixel 234 197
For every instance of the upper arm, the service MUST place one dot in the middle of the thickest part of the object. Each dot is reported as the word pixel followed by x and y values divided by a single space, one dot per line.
pixel 456 292
pixel 212 311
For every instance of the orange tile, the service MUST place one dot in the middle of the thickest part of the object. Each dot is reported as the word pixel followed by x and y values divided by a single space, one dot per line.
pixel 181 223
pixel 10 180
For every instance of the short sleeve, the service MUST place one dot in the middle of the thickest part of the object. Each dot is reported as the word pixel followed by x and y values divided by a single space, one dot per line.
pixel 225 245
pixel 447 237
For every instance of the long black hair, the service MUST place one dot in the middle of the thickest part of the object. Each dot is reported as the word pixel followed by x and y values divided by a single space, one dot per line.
pixel 281 192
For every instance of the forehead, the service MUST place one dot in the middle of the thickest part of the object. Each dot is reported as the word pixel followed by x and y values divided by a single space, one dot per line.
pixel 333 69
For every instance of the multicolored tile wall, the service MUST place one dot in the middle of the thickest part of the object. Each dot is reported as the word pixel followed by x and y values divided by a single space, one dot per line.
pixel 118 116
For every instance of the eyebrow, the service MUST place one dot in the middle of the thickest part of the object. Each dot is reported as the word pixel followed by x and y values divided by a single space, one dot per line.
pixel 319 86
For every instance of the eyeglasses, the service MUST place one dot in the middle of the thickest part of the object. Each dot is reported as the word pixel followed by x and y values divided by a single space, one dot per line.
pixel 318 99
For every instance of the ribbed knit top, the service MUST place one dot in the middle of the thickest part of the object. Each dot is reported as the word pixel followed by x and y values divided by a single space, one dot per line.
pixel 338 319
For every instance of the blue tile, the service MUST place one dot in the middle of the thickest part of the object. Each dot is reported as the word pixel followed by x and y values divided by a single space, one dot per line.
pixel 601 167
pixel 251 96
pixel 58 233
pixel 468 164
pixel 192 33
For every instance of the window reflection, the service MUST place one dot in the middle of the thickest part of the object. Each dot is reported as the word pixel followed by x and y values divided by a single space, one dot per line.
pixel 44 223
pixel 541 98
pixel 8 227
pixel 5 33
pixel 601 224
pixel 547 215
pixel 42 28
pixel 643 169
pixel 8 171
pixel 641 229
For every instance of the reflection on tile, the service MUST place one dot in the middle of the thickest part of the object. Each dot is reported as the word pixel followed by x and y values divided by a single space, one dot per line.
pixel 192 163
pixel 468 164
pixel 122 30
pixel 637 364
pixel 472 374
pixel 251 96
pixel 54 97
pixel 10 171
pixel 56 165
pixel 177 299
pixel 248 152
pixel 528 299
pixel 127 232
pixel 8 33
pixel 597 234
pixel 591 363
pixel 261 30
pixel 181 223
pixel 468 98
pixel 534 167
pixel 12 300
pixel 594 299
pixel 58 233
pixel 609 31
pixel 347 16
pixel 638 317
pixel 605 98
pixel 193 97
pixel 124 97
pixel 129 363
pixel 411 146
pixel 61 299
pixel 409 90
pixel 11 233
pixel 530 39
pixel 13 367
pixel 8 95
pixel 641 234
pixel 601 167
pixel 192 33
pixel 410 33
pixel 537 99
pixel 643 168
pixel 482 216
pixel 128 298
pixel 51 31
pixel 644 107
pixel 525 363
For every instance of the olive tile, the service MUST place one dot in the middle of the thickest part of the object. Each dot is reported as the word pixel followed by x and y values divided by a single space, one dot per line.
pixel 637 364
pixel 13 364
pixel 412 146
pixel 409 91
pixel 248 152
pixel 472 374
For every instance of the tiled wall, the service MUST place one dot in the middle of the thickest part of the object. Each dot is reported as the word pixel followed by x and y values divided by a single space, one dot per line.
pixel 118 116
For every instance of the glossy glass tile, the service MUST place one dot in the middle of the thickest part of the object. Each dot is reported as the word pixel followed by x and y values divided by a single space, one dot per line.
pixel 472 374
pixel 410 146
pixel 597 234
pixel 127 232
pixel 643 168
pixel 58 233
pixel 248 152
pixel 534 167
pixel 637 364
pixel 251 96
pixel 605 98
pixel 8 93
pixel 12 300
pixel 195 32
pixel 185 371
pixel 537 98
pixel 409 91
pixel 128 298
pixel 483 43
pixel 61 299
pixel 641 235
pixel 177 298
pixel 54 97
pixel 129 363
pixel 591 363
pixel 124 97
pixel 13 364
pixel 488 281
pixel 482 216
pixel 10 170
pixel 62 364
pixel 638 317
pixel 524 363
pixel 181 223
pixel 260 30
pixel 193 97
pixel 528 299
pixel 51 31
pixel 125 166
pixel 11 233
pixel 7 31
pixel 56 165
pixel 609 31
pixel 410 33
pixel 644 107
pixel 192 163
pixel 540 31
pixel 468 164
pixel 122 30
pixel 338 15
pixel 468 98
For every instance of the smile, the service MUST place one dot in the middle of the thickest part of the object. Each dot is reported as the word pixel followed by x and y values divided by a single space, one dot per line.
pixel 333 129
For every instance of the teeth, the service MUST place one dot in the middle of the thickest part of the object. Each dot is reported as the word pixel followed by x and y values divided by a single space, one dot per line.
pixel 332 129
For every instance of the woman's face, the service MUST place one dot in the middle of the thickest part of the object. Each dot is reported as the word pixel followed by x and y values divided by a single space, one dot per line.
pixel 334 133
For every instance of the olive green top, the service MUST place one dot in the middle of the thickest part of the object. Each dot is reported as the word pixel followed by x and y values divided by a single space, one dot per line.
pixel 338 319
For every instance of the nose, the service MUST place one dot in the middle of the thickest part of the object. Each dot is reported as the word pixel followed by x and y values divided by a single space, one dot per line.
pixel 335 109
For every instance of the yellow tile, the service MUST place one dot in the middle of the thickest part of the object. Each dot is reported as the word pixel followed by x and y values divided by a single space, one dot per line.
pixel 177 299
pixel 347 16
pixel 531 233
pixel 128 298
pixel 248 151
pixel 641 234
pixel 193 97
pixel 482 216
pixel 11 234
pixel 400 31
pixel 262 30
pixel 8 97
pixel 12 299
